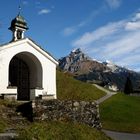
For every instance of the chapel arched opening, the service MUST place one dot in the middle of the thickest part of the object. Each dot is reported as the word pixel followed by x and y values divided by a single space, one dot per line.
pixel 25 73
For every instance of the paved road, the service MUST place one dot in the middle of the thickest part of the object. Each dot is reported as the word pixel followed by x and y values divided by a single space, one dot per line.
pixel 115 135
pixel 108 94
pixel 121 136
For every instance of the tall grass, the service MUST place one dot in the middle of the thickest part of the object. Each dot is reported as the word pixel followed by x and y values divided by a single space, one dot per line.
pixel 60 131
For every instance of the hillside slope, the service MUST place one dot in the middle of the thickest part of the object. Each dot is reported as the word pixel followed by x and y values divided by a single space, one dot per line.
pixel 69 88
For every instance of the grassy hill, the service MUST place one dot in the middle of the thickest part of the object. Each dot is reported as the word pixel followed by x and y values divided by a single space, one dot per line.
pixel 69 88
pixel 121 113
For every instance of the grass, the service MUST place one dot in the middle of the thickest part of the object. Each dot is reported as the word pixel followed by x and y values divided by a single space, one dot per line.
pixel 3 121
pixel 8 103
pixel 121 113
pixel 3 125
pixel 7 110
pixel 68 88
pixel 61 131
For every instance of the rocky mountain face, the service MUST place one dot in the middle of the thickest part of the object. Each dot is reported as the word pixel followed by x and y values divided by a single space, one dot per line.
pixel 104 73
pixel 79 63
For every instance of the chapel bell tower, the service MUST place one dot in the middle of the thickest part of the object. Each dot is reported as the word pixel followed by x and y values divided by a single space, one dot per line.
pixel 18 27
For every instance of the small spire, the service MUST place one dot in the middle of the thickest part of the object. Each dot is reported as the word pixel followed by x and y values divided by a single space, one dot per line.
pixel 19 8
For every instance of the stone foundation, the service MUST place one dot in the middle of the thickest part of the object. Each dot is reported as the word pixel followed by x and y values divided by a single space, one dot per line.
pixel 77 111
pixel 12 97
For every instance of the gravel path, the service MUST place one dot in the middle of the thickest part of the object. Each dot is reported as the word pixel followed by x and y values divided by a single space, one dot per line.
pixel 121 136
pixel 113 134
pixel 108 94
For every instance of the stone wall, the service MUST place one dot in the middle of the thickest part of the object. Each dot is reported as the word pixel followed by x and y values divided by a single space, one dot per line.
pixel 77 111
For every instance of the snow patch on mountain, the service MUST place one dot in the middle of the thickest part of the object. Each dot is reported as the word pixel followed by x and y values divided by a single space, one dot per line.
pixel 115 68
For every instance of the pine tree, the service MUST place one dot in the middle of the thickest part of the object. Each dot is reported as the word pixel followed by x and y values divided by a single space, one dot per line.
pixel 128 86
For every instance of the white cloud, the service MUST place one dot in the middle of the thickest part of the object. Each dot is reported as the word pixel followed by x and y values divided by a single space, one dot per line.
pixel 134 24
pixel 113 3
pixel 98 34
pixel 69 31
pixel 136 17
pixel 73 29
pixel 44 11
pixel 92 15
pixel 118 42
pixel 131 59
pixel 125 45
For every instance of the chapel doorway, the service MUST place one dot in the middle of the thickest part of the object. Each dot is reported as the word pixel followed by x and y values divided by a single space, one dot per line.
pixel 19 76
pixel 25 73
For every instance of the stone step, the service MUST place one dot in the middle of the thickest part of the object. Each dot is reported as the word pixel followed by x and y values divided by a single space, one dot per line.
pixel 8 136
pixel 18 118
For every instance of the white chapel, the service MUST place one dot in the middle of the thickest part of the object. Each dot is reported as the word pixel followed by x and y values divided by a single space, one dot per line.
pixel 26 70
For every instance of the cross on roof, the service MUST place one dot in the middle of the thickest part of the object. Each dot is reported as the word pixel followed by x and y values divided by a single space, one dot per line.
pixel 19 8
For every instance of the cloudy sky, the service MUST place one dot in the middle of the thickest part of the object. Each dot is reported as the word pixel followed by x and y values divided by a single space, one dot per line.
pixel 104 29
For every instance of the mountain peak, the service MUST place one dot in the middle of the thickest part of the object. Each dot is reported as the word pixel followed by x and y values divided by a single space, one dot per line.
pixel 78 50
pixel 79 62
pixel 78 55
pixel 86 69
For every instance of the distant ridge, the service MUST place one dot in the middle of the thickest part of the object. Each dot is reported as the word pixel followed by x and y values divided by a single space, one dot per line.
pixel 107 74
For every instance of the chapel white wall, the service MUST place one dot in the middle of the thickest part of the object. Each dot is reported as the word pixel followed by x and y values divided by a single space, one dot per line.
pixel 48 67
